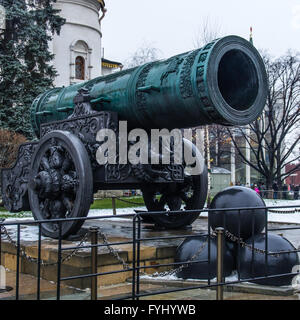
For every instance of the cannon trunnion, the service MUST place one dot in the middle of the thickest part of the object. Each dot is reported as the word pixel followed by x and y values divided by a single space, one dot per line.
pixel 224 82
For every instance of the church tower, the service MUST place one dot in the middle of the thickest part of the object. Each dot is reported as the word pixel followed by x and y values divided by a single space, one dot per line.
pixel 78 48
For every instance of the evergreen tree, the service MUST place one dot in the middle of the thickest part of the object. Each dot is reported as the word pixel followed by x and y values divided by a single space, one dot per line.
pixel 25 59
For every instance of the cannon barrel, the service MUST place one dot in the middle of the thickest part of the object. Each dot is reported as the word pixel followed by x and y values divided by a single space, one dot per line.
pixel 224 82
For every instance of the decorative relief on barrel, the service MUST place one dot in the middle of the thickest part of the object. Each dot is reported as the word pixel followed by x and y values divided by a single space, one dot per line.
pixel 173 67
pixel 200 80
pixel 140 95
pixel 186 88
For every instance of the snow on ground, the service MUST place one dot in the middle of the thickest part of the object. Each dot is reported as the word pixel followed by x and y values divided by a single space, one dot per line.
pixel 109 212
pixel 279 215
pixel 173 277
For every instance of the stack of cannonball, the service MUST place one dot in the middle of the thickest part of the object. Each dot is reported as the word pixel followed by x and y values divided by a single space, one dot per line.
pixel 246 224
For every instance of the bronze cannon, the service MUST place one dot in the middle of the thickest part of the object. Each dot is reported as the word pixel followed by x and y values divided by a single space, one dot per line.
pixel 224 82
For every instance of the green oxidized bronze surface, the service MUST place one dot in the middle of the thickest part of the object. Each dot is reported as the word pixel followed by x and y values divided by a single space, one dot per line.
pixel 224 82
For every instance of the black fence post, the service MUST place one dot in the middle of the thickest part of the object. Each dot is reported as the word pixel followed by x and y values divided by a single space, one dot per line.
pixel 113 201
pixel 59 260
pixel 133 291
pixel 220 277
pixel 39 263
pixel 94 262
pixel 18 262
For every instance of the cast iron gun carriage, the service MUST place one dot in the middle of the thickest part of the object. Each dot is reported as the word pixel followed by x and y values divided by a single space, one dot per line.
pixel 224 83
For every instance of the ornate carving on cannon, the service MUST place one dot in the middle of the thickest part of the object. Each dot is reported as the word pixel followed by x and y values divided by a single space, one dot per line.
pixel 15 180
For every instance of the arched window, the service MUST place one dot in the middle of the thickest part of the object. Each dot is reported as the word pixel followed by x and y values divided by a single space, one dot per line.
pixel 80 68
pixel 80 61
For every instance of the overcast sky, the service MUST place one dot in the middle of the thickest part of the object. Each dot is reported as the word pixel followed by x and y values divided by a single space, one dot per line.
pixel 172 25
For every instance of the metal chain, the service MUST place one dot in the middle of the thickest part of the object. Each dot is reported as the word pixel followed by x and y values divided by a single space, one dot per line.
pixel 295 210
pixel 126 266
pixel 179 269
pixel 113 251
pixel 123 200
pixel 35 260
pixel 130 202
pixel 243 244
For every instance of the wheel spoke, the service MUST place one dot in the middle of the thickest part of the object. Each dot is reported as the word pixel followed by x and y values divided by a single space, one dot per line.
pixel 69 204
pixel 45 163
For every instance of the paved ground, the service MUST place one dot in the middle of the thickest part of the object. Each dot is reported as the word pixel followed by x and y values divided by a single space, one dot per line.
pixel 28 285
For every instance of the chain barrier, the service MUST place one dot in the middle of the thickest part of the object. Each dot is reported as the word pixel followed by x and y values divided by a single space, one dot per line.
pixel 182 267
pixel 110 195
pixel 243 244
pixel 130 202
pixel 295 210
pixel 125 265
pixel 227 234
pixel 35 260
pixel 113 251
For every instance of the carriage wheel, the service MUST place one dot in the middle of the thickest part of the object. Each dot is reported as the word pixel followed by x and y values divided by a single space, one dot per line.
pixel 61 183
pixel 191 193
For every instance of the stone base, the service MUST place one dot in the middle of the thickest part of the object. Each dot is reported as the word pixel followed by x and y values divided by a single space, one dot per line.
pixel 80 263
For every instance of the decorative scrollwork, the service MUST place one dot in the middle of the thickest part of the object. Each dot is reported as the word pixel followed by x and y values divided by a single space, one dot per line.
pixel 15 180
pixel 185 77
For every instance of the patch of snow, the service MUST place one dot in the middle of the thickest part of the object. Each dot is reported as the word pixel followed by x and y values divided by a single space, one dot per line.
pixel 172 277
pixel 218 170
pixel 108 212
pixel 27 233
pixel 279 217
pixel 281 202
pixel 155 276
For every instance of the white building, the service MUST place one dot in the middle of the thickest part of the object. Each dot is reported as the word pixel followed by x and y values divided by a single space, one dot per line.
pixel 78 48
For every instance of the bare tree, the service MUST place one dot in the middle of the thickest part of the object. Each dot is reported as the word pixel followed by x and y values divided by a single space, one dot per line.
pixel 208 31
pixel 146 53
pixel 220 146
pixel 274 137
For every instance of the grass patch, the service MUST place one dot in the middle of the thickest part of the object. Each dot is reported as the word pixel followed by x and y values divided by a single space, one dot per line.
pixel 107 203
pixel 23 214
pixel 98 204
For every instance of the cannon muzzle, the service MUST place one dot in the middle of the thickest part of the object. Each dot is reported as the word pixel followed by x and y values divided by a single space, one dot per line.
pixel 224 82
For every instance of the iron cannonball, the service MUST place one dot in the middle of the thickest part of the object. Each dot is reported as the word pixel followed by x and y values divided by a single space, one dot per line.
pixel 192 249
pixel 280 264
pixel 238 197
pixel 233 249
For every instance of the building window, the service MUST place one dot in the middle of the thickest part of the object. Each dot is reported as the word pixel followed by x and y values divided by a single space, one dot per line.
pixel 80 61
pixel 79 68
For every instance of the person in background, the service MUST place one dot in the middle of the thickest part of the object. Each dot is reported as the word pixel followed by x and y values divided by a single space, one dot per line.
pixel 256 189
pixel 275 189
pixel 296 192
pixel 292 187
pixel 263 190
pixel 285 191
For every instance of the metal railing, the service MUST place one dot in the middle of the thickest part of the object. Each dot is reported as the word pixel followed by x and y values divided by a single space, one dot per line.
pixel 135 267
